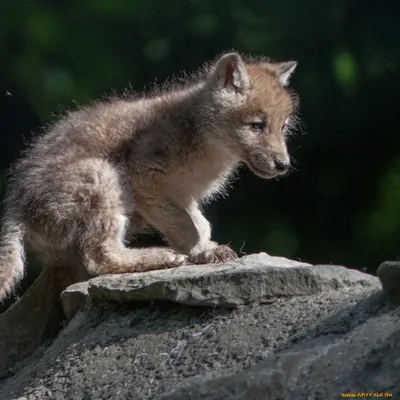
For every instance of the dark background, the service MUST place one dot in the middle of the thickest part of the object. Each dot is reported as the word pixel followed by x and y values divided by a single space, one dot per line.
pixel 341 205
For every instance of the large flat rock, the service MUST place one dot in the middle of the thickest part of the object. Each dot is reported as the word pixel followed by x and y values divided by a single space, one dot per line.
pixel 263 328
pixel 253 278
pixel 295 348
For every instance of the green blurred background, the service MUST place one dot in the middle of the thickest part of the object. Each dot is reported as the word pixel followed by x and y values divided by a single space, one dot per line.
pixel 341 205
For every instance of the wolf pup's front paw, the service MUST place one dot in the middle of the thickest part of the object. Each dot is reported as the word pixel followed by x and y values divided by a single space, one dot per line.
pixel 218 254
pixel 174 259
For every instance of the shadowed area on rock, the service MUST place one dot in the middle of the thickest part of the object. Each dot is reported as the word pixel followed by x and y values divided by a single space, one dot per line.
pixel 259 325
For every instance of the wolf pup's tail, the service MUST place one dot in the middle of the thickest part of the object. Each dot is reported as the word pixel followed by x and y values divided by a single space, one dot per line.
pixel 12 254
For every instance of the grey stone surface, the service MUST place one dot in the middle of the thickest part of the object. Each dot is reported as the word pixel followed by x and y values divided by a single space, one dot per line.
pixel 74 298
pixel 258 277
pixel 339 336
pixel 365 359
pixel 389 274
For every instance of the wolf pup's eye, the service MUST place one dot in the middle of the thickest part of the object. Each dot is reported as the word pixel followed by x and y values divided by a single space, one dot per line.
pixel 258 126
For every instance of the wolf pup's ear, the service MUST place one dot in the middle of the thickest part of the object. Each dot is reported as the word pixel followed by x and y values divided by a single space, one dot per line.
pixel 283 71
pixel 230 73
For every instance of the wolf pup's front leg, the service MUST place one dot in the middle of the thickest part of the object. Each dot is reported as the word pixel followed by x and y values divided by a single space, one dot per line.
pixel 188 232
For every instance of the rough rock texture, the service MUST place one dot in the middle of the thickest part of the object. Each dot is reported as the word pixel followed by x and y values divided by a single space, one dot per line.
pixel 364 359
pixel 258 277
pixel 268 328
pixel 34 319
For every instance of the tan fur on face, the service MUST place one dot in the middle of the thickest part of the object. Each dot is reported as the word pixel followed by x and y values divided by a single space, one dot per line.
pixel 121 166
pixel 267 94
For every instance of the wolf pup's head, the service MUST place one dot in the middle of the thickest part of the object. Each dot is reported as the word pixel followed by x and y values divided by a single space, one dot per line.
pixel 252 110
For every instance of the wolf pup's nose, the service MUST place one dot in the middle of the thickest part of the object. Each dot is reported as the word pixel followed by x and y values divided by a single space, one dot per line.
pixel 282 165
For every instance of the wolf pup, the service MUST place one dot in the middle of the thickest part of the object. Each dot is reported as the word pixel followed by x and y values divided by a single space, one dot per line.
pixel 119 166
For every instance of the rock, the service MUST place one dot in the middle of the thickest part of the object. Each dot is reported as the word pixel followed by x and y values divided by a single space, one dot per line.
pixel 389 274
pixel 360 361
pixel 258 277
pixel 74 298
pixel 34 319
pixel 268 328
